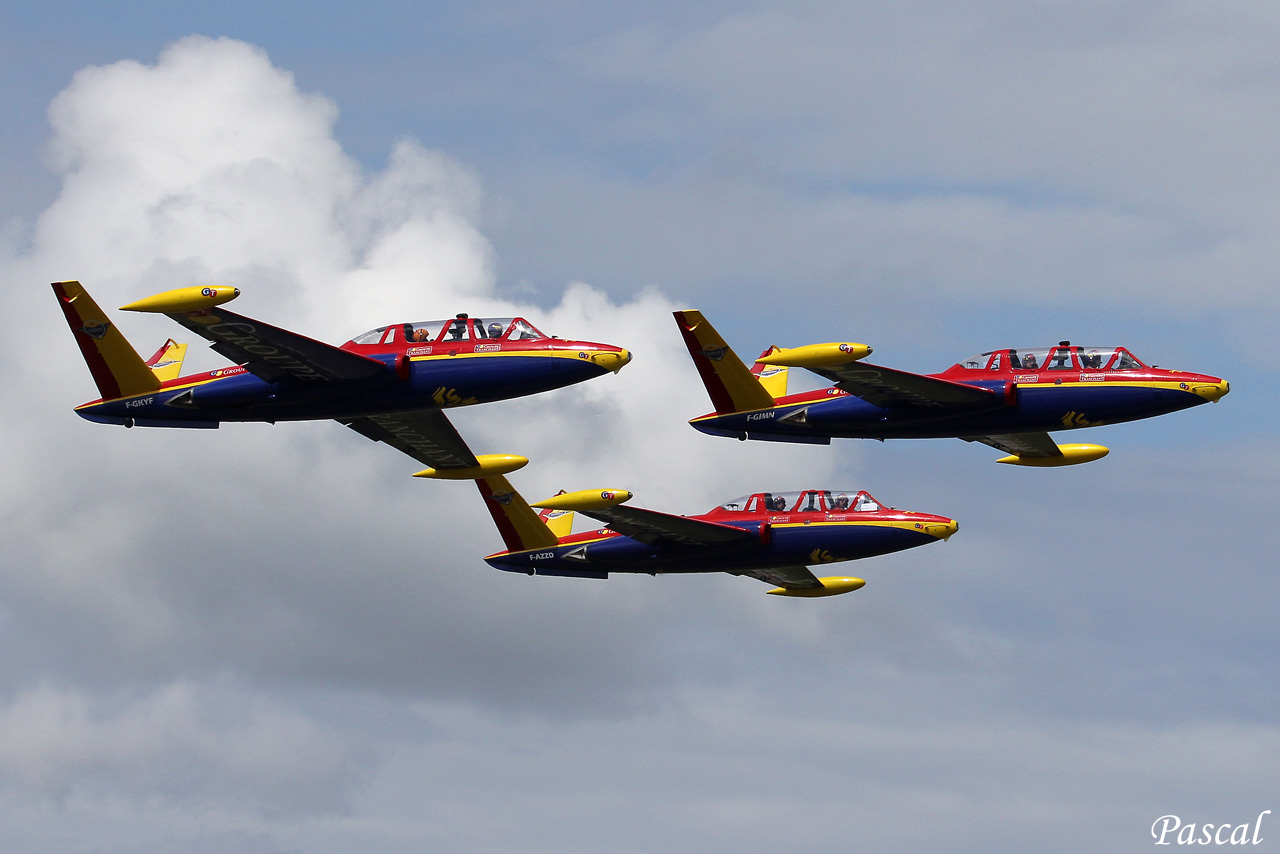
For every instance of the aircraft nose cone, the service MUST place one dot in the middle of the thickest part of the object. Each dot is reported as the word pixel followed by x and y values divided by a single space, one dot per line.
pixel 942 530
pixel 1212 392
pixel 611 360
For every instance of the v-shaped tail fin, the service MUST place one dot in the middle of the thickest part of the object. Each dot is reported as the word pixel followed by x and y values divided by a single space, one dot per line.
pixel 731 386
pixel 116 367
pixel 166 364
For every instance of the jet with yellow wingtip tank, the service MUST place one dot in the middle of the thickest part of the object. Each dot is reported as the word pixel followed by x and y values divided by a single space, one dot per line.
pixel 771 536
pixel 391 384
pixel 1009 399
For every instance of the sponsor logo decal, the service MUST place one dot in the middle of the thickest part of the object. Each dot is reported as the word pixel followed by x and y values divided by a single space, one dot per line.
pixel 1093 378
pixel 489 348
pixel 96 329
pixel 1026 378
pixel 418 351
pixel 1182 386
pixel 241 334
pixel 438 455
pixel 715 354
pixel 207 292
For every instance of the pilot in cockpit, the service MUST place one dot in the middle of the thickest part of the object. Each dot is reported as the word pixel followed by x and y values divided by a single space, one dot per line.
pixel 495 330
pixel 1029 362
pixel 421 334
pixel 841 502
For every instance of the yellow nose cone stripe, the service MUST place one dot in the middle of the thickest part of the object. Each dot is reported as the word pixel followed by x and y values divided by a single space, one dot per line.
pixel 610 360
pixel 1212 392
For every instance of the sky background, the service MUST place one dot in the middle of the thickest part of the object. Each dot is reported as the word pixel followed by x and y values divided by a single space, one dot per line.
pixel 272 639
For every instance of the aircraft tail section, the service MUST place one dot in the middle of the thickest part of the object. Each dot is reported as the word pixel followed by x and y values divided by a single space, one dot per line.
pixel 772 377
pixel 166 364
pixel 522 529
pixel 116 367
pixel 559 521
pixel 731 386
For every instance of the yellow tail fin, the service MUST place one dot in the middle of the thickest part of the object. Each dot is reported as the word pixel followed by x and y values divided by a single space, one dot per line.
pixel 166 364
pixel 560 522
pixel 772 377
pixel 521 528
pixel 116 367
pixel 731 386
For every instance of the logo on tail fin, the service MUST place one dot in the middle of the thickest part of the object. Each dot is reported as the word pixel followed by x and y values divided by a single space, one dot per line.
pixel 715 354
pixel 96 329
pixel 503 498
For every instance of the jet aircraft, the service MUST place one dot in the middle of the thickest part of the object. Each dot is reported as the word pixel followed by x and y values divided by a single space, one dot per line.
pixel 1009 399
pixel 390 384
pixel 771 536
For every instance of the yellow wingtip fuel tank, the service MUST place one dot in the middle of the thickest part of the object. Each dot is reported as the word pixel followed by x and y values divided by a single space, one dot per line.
pixel 490 465
pixel 832 585
pixel 184 299
pixel 585 499
pixel 1071 455
pixel 817 355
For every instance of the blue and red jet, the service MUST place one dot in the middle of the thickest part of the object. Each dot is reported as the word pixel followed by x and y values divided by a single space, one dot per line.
pixel 390 384
pixel 1009 399
pixel 771 536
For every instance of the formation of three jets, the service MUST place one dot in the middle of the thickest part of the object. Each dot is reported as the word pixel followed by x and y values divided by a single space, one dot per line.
pixel 392 384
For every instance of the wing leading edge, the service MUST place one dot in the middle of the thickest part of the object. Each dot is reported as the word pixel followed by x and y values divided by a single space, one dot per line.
pixel 274 354
pixel 424 434
pixel 651 527
pixel 887 387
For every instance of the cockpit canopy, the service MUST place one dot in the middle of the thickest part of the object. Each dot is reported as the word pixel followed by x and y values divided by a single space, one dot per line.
pixel 460 328
pixel 808 501
pixel 1064 357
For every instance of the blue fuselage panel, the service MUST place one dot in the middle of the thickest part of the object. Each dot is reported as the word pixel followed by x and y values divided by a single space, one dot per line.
pixel 1033 409
pixel 430 383
pixel 787 545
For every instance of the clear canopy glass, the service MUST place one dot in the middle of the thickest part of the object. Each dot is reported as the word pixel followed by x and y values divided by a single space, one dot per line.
pixel 1060 358
pixel 461 328
pixel 807 501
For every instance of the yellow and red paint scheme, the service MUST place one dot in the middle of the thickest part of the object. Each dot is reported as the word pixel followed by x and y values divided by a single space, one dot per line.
pixel 1002 398
pixel 770 536
pixel 283 376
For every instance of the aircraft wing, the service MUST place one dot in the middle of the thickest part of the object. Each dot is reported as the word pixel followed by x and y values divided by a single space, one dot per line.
pixel 1020 444
pixel 888 387
pixel 274 354
pixel 424 434
pixel 651 527
pixel 787 577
